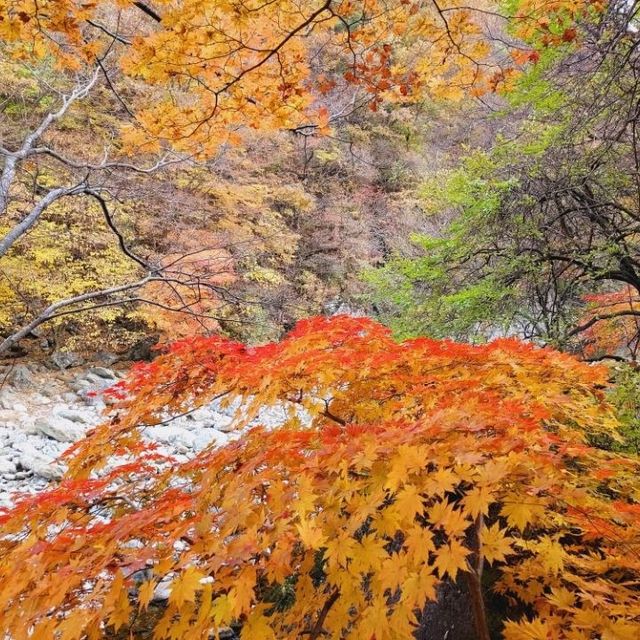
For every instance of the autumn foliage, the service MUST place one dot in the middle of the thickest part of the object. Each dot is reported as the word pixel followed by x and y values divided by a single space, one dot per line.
pixel 610 324
pixel 218 66
pixel 397 466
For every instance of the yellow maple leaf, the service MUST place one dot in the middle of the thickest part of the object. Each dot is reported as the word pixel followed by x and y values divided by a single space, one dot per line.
pixel 311 536
pixel 72 627
pixel 374 622
pixel 257 626
pixel 121 613
pixel 551 554
pixel 495 545
pixel 620 630
pixel 527 630
pixel 444 514
pixel 477 501
pixel 406 461
pixel 419 587
pixel 519 512
pixel 451 558
pixel 145 593
pixel 561 598
pixel 185 586
pixel 419 543
pixel 409 502
pixel 340 549
pixel 242 592
pixel 393 572
pixel 222 610
pixel 305 499
pixel 442 481
pixel 370 553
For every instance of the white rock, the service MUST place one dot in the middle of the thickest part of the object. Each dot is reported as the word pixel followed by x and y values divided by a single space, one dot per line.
pixel 21 376
pixel 205 437
pixel 224 423
pixel 28 425
pixel 61 430
pixel 74 415
pixel 40 464
pixel 7 466
pixel 9 417
pixel 103 372
pixel 163 590
pixel 96 380
pixel 170 434
pixel 80 385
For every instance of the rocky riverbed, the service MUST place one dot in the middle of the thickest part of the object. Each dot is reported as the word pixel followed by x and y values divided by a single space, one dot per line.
pixel 43 411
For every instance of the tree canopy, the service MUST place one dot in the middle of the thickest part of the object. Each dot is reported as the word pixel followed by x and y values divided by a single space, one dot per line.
pixel 537 231
pixel 397 465
pixel 249 62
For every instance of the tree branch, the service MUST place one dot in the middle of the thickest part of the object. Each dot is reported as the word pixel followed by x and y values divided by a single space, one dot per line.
pixel 51 310
pixel 317 628
pixel 148 10
pixel 600 317
pixel 110 223
pixel 18 230
pixel 13 157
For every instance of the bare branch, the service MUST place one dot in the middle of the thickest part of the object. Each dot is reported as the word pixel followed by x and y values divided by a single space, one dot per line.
pixel 111 224
pixel 13 157
pixel 603 316
pixel 50 311
pixel 33 216
pixel 148 10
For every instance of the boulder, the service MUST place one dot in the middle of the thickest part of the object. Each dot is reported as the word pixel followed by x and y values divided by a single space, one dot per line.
pixel 65 412
pixel 7 399
pixel 170 434
pixel 60 429
pixel 103 372
pixel 65 359
pixel 21 376
pixel 40 464
pixel 206 437
pixel 11 417
pixel 7 466
pixel 144 349
pixel 106 358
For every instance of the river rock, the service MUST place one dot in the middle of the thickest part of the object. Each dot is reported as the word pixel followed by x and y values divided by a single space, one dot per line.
pixel 75 415
pixel 47 409
pixel 33 460
pixel 65 359
pixel 21 376
pixel 169 434
pixel 103 372
pixel 61 429
pixel 7 466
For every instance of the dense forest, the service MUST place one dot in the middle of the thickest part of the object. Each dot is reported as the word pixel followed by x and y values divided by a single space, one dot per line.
pixel 351 292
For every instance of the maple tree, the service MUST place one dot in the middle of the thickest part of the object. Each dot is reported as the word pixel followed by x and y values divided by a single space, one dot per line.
pixel 219 65
pixel 397 466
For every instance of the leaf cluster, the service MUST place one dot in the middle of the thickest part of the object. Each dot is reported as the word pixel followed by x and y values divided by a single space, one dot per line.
pixel 397 466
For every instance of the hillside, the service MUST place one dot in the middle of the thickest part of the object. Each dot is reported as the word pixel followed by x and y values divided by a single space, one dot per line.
pixel 273 230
